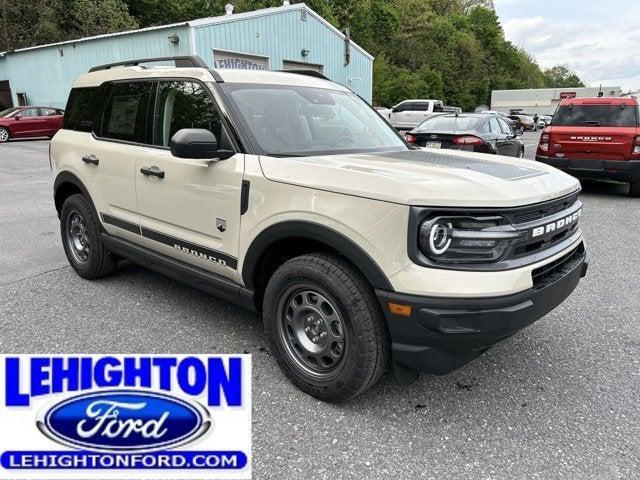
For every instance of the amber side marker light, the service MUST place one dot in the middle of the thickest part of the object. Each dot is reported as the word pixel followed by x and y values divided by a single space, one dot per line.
pixel 400 309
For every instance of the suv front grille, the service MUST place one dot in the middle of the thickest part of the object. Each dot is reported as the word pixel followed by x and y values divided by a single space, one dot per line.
pixel 558 222
pixel 537 213
pixel 551 272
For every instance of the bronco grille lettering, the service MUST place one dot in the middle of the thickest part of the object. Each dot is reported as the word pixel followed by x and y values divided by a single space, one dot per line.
pixel 553 226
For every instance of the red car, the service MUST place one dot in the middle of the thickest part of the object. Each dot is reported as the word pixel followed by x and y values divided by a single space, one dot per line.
pixel 30 121
pixel 595 138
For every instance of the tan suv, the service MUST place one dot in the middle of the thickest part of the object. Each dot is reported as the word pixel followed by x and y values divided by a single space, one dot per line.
pixel 288 194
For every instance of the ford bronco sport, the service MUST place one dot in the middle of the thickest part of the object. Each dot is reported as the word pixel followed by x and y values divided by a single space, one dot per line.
pixel 288 194
pixel 595 138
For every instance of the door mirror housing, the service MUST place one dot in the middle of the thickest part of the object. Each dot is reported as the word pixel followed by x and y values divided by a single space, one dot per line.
pixel 17 117
pixel 197 143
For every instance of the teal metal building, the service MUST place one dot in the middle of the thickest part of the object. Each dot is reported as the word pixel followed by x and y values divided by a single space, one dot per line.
pixel 279 38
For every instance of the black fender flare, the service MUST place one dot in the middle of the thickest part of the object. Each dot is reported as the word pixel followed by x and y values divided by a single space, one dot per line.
pixel 68 177
pixel 317 232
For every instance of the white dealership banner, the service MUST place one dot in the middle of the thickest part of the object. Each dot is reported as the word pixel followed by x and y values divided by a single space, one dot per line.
pixel 125 416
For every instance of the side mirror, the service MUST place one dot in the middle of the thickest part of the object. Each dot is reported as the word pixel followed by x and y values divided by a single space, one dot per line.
pixel 17 117
pixel 197 143
pixel 394 110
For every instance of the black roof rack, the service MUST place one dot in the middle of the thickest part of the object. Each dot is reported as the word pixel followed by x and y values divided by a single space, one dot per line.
pixel 307 72
pixel 185 61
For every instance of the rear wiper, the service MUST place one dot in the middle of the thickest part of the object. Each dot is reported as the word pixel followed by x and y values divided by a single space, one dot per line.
pixel 593 122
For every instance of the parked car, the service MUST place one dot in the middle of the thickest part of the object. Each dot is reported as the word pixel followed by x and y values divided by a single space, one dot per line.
pixel 516 125
pixel 289 195
pixel 475 132
pixel 30 121
pixel 595 138
pixel 544 121
pixel 411 113
pixel 526 122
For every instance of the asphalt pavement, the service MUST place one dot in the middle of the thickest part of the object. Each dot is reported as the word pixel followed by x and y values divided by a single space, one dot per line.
pixel 558 400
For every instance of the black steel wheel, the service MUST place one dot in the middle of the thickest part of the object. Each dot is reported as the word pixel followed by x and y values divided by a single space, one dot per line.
pixel 326 327
pixel 80 230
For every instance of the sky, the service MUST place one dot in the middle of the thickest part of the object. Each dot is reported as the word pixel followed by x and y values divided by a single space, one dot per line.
pixel 599 39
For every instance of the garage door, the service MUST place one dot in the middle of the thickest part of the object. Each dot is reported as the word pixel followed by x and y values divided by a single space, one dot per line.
pixel 243 61
pixel 291 65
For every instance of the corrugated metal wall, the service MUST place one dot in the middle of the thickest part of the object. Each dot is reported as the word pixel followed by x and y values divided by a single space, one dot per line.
pixel 282 36
pixel 46 76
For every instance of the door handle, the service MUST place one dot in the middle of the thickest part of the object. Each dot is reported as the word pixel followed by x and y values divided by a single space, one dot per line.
pixel 91 159
pixel 152 172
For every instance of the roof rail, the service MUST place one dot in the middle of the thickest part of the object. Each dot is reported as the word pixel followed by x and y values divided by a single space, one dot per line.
pixel 185 61
pixel 307 72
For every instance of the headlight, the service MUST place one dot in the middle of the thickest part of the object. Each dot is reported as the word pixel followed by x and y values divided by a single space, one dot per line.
pixel 466 239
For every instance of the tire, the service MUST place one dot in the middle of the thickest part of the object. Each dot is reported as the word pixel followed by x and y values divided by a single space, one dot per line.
pixel 5 135
pixel 319 306
pixel 80 231
pixel 634 189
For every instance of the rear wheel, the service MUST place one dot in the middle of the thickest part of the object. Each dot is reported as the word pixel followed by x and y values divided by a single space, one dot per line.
pixel 4 135
pixel 325 326
pixel 80 230
pixel 634 189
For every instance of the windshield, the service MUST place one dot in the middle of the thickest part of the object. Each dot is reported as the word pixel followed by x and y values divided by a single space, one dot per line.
pixel 596 115
pixel 449 124
pixel 7 112
pixel 293 120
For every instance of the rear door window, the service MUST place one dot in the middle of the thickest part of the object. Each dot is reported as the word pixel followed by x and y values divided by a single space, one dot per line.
pixel 596 115
pixel 494 126
pixel 506 129
pixel 125 115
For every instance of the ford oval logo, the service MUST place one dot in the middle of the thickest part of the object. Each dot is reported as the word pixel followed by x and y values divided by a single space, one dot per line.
pixel 124 420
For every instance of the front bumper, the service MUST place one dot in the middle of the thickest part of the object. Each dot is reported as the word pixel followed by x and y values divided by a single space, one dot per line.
pixel 619 170
pixel 443 334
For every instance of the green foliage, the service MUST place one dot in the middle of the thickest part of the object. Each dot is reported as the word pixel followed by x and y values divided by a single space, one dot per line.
pixel 561 76
pixel 452 50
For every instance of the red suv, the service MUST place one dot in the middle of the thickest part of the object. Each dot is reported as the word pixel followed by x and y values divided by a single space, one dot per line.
pixel 21 122
pixel 595 138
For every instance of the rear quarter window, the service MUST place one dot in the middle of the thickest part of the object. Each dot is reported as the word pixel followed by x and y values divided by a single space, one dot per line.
pixel 596 115
pixel 84 108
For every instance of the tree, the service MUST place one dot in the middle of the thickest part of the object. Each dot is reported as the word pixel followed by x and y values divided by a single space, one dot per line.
pixel 561 76
pixel 454 50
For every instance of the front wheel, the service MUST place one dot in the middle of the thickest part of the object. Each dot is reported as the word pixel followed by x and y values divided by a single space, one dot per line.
pixel 80 230
pixel 4 135
pixel 325 327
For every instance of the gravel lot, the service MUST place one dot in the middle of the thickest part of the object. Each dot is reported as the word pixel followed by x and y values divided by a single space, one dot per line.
pixel 559 400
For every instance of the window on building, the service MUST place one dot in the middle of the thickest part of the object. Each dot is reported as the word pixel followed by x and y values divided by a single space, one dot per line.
pixel 181 104
pixel 125 115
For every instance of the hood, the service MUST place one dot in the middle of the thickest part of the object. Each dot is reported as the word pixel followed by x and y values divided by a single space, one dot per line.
pixel 443 178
